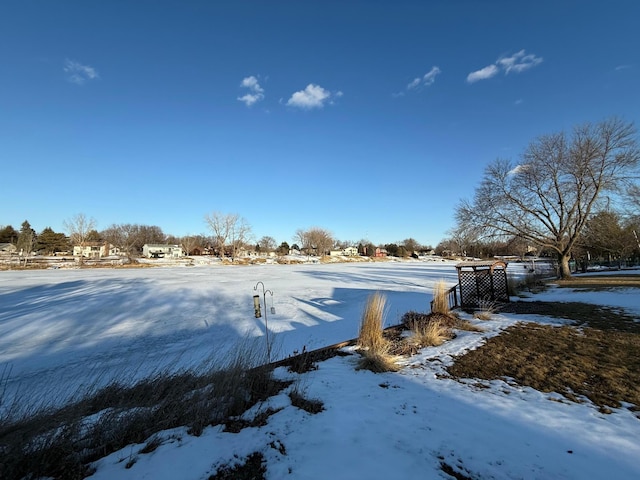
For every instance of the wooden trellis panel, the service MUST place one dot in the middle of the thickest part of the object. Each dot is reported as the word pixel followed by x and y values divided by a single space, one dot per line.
pixel 482 282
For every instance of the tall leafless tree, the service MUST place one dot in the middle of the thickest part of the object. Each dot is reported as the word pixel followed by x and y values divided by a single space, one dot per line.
pixel 126 237
pixel 548 197
pixel 79 227
pixel 228 229
pixel 315 240
pixel 267 244
pixel 189 242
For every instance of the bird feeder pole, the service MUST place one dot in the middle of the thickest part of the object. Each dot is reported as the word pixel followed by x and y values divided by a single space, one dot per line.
pixel 257 312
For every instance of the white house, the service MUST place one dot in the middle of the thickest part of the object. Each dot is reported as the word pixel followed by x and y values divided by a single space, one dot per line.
pixel 345 252
pixel 157 250
pixel 95 250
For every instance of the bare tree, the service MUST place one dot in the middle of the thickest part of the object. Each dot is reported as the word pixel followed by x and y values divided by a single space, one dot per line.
pixel 189 242
pixel 411 245
pixel 548 197
pixel 126 237
pixel 315 240
pixel 605 234
pixel 228 230
pixel 26 240
pixel 79 227
pixel 302 239
pixel 267 244
pixel 634 198
pixel 240 235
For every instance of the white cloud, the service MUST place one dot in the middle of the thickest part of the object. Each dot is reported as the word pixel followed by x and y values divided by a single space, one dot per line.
pixel 78 73
pixel 482 74
pixel 516 63
pixel 426 80
pixel 519 62
pixel 256 92
pixel 314 96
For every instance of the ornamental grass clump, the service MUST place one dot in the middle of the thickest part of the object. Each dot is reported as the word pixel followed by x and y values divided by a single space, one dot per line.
pixel 430 334
pixel 440 303
pixel 373 346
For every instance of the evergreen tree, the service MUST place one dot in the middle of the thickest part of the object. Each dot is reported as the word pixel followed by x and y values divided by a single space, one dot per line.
pixel 8 234
pixel 283 249
pixel 50 242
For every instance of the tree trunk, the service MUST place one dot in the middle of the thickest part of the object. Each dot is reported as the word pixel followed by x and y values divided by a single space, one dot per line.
pixel 563 260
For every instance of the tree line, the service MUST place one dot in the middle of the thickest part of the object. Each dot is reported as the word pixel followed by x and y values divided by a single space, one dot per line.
pixel 230 233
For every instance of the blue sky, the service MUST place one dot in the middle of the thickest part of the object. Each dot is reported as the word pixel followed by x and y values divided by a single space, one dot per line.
pixel 370 119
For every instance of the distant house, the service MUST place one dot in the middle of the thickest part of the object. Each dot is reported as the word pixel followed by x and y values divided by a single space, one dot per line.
pixel 381 252
pixel 157 250
pixel 7 248
pixel 95 250
pixel 345 252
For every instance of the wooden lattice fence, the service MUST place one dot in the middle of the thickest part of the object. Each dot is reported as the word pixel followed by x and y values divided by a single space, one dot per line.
pixel 482 282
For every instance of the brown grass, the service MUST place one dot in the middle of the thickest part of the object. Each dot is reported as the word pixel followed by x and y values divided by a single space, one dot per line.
pixel 486 311
pixel 378 362
pixel 371 335
pixel 440 299
pixel 430 334
pixel 374 347
pixel 598 357
pixel 57 443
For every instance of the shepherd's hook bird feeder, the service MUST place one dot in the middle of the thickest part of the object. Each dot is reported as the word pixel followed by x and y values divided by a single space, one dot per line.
pixel 256 308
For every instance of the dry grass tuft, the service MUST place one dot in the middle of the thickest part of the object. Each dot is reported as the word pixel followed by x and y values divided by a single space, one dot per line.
pixel 468 326
pixel 440 302
pixel 486 311
pixel 430 334
pixel 371 335
pixel 378 362
pixel 374 347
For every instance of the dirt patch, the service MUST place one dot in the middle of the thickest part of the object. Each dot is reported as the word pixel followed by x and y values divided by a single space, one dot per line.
pixel 596 357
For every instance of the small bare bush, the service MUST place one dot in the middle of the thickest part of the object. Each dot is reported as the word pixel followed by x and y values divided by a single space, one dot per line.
pixel 440 302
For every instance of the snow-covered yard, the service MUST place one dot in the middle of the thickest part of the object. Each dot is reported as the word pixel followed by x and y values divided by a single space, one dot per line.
pixel 61 329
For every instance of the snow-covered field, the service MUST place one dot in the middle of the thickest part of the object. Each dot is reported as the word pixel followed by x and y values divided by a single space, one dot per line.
pixel 60 329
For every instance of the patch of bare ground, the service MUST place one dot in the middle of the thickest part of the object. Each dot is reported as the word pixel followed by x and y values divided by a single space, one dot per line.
pixel 596 357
